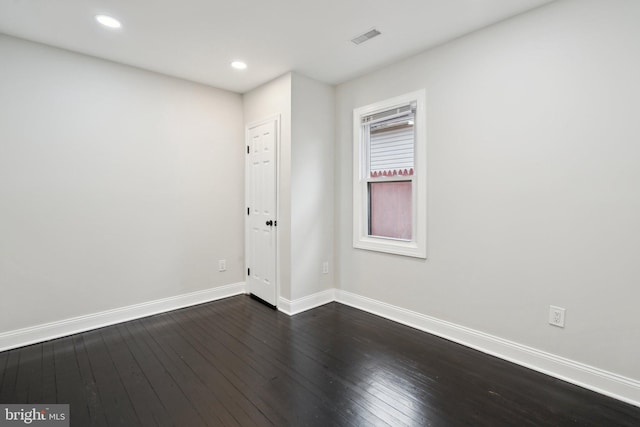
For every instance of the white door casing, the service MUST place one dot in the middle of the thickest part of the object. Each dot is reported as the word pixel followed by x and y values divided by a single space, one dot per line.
pixel 261 196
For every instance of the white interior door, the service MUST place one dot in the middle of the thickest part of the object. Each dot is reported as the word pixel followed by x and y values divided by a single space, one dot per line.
pixel 262 143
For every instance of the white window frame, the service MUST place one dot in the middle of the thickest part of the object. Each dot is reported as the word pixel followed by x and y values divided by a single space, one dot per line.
pixel 417 247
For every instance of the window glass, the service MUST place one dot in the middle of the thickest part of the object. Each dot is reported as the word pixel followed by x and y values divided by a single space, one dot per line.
pixel 390 207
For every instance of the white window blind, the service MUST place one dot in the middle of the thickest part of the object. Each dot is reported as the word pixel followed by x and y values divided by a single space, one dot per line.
pixel 391 147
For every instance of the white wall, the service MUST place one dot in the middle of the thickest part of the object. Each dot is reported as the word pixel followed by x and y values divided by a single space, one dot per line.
pixel 533 176
pixel 117 185
pixel 274 98
pixel 305 191
pixel 312 142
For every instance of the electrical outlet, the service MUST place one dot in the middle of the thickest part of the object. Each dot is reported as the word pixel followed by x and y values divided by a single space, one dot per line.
pixel 222 265
pixel 325 267
pixel 556 316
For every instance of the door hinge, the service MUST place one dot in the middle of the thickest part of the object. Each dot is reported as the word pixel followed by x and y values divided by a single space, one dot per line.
pixel 248 211
pixel 247 149
pixel 248 272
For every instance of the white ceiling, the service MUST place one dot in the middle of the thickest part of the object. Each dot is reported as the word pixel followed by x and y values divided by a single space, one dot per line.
pixel 197 39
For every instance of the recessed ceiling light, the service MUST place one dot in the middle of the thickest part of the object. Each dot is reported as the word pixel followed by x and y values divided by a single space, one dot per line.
pixel 239 65
pixel 108 21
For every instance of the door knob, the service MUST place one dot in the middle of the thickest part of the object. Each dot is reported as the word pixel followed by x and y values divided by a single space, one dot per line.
pixel 270 223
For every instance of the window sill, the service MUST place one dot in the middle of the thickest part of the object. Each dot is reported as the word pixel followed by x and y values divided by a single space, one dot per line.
pixel 396 247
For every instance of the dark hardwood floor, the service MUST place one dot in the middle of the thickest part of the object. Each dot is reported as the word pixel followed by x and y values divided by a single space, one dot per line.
pixel 235 362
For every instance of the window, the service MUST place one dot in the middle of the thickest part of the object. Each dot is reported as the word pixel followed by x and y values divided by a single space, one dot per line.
pixel 390 176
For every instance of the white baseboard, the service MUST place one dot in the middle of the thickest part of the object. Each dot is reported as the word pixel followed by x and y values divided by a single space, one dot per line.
pixel 306 303
pixel 598 380
pixel 589 377
pixel 49 331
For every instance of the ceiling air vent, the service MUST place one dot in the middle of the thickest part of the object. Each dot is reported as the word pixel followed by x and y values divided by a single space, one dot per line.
pixel 366 36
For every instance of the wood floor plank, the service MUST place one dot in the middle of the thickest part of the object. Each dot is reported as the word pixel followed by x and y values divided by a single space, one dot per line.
pixel 89 387
pixel 48 374
pixel 211 410
pixel 180 409
pixel 10 378
pixel 28 372
pixel 114 398
pixel 4 355
pixel 235 362
pixel 144 399
pixel 231 400
pixel 36 374
pixel 244 377
pixel 69 385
